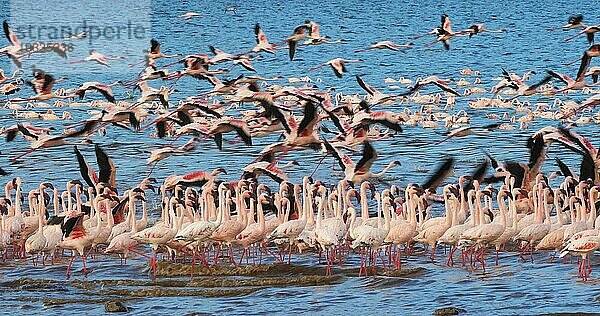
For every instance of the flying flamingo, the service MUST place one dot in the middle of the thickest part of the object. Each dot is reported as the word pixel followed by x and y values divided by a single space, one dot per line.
pixel 431 80
pixel 338 65
pixel 574 22
pixel 13 50
pixel 478 29
pixel 104 89
pixel 593 51
pixel 262 44
pixel 96 56
pixel 377 97
pixel 44 92
pixel 189 15
pixel 386 45
pixel 226 125
pixel 300 33
pixel 444 33
pixel 588 31
pixel 360 171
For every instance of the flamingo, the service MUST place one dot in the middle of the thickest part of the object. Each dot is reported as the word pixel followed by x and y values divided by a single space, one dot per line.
pixel 300 33
pixel 431 80
pixel 226 125
pixel 586 59
pixel 253 233
pixel 329 232
pixel 574 22
pixel 453 234
pixel 372 237
pixel 104 89
pixel 478 29
pixel 122 243
pixel 4 79
pixel 262 44
pixel 101 233
pixel 469 130
pixel 76 239
pixel 432 234
pixel 291 229
pixel 35 243
pixel 571 84
pixel 52 229
pixel 583 247
pixel 360 171
pixel 96 56
pixel 338 65
pixel 159 234
pixel 202 230
pixel 386 45
pixel 230 228
pixel 13 50
pixel 155 53
pixel 377 97
pixel 402 231
pixel 485 234
pixel 44 91
pixel 540 228
pixel 444 33
pixel 589 33
pixel 189 15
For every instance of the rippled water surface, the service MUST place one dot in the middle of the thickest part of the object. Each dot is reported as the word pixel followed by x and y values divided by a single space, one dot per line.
pixel 511 288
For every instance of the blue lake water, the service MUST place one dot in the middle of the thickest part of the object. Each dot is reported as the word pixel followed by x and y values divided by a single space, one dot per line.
pixel 512 288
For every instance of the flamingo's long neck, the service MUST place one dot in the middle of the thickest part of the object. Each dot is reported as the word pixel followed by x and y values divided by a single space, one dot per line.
pixel 364 207
pixel 69 199
pixel 474 213
pixel 592 218
pixel 502 207
pixel 243 216
pixel 7 192
pixel 411 212
pixel 453 211
pixel 261 216
pixel 479 208
pixel 41 212
pixel 341 197
pixel 55 202
pixel 320 213
pixel 386 217
pixel 378 199
pixel 386 169
pixel 134 221
pixel 78 201
pixel 98 217
pixel 109 215
pixel 180 216
pixel 18 200
pixel 251 213
pixel 221 209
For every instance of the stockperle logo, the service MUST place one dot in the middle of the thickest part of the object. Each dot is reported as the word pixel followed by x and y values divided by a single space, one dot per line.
pixel 59 35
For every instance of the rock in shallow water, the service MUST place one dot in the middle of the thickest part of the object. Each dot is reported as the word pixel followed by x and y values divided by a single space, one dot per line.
pixel 448 311
pixel 114 307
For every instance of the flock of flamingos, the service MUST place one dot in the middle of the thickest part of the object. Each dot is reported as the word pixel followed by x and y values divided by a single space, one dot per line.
pixel 209 221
